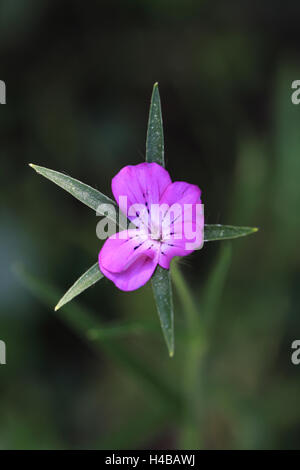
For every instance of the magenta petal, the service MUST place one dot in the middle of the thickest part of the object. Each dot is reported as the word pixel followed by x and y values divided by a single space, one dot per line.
pixel 183 237
pixel 181 193
pixel 139 184
pixel 121 249
pixel 182 232
pixel 135 276
pixel 128 262
pixel 167 253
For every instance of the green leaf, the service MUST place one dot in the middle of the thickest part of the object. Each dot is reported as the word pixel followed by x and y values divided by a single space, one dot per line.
pixel 225 232
pixel 84 193
pixel 161 279
pixel 155 133
pixel 162 289
pixel 90 277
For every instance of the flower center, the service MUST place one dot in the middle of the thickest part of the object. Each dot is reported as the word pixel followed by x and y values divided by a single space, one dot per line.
pixel 155 232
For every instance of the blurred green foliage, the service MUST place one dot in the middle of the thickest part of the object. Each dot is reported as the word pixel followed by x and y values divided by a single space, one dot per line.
pixel 78 82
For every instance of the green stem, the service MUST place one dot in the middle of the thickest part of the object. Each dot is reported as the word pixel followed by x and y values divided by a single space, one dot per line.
pixel 190 436
pixel 184 294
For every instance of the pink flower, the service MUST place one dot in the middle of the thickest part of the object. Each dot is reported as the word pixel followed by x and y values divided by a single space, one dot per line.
pixel 167 220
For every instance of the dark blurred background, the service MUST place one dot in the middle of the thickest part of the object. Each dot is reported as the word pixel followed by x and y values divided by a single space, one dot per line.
pixel 79 77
